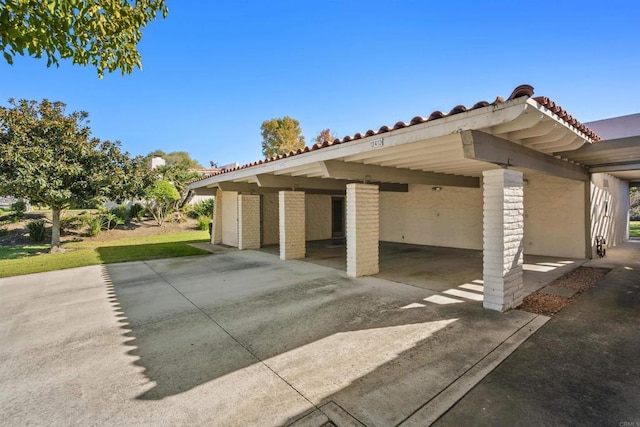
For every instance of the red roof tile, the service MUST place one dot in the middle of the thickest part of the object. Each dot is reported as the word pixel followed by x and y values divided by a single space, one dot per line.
pixel 518 92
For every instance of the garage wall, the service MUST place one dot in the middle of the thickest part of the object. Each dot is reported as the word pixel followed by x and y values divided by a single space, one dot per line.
pixel 451 217
pixel 230 218
pixel 554 219
pixel 609 209
pixel 270 218
pixel 317 217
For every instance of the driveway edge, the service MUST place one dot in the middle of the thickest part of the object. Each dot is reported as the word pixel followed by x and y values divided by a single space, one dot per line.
pixel 438 405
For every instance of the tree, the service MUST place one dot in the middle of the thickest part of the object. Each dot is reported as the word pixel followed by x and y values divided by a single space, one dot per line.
pixel 161 199
pixel 103 33
pixel 280 136
pixel 179 170
pixel 50 157
pixel 181 158
pixel 325 136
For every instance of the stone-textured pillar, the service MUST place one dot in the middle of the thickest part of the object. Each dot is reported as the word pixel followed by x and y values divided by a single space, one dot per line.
pixel 503 239
pixel 362 229
pixel 248 221
pixel 216 222
pixel 292 225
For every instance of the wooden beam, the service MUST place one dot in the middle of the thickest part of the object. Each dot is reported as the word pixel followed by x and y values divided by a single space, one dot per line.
pixel 611 144
pixel 616 167
pixel 242 187
pixel 205 191
pixel 372 173
pixel 299 182
pixel 482 146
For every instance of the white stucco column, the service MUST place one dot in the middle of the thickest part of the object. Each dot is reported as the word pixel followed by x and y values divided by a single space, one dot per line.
pixel 216 221
pixel 248 221
pixel 503 239
pixel 362 229
pixel 292 224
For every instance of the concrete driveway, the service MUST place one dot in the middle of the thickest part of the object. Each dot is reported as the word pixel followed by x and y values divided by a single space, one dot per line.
pixel 239 338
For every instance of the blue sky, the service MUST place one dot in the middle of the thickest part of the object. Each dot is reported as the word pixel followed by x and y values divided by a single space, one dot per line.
pixel 213 71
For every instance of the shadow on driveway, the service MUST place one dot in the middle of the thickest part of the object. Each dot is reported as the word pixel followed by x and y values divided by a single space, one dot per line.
pixel 376 348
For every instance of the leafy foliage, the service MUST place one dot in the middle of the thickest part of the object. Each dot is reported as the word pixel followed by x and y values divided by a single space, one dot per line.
pixel 634 212
pixel 49 157
pixel 36 230
pixel 174 158
pixel 122 212
pixel 95 226
pixel 178 170
pixel 202 208
pixel 161 199
pixel 203 222
pixel 280 136
pixel 19 208
pixel 102 33
pixel 136 211
pixel 325 136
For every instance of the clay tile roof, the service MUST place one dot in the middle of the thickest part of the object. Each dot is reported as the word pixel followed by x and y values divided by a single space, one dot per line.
pixel 518 92
pixel 522 90
pixel 562 113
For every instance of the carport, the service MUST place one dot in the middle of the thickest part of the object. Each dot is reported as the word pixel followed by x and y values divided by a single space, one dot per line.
pixel 493 178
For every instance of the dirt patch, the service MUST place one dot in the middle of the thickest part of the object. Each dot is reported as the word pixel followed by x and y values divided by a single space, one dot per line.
pixel 580 279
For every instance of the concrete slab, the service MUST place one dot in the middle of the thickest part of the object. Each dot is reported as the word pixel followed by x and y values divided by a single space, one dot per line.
pixel 436 268
pixel 558 291
pixel 235 338
pixel 582 368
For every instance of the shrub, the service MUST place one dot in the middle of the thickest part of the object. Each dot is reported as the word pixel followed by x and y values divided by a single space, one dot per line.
pixel 95 225
pixel 122 212
pixel 36 230
pixel 19 208
pixel 110 219
pixel 202 208
pixel 137 211
pixel 74 222
pixel 203 222
pixel 161 198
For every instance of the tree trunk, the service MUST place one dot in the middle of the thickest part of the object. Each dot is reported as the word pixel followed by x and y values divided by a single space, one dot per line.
pixel 55 231
pixel 187 198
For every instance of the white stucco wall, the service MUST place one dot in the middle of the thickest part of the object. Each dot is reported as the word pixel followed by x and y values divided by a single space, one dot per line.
pixel 270 218
pixel 318 217
pixel 609 209
pixel 198 199
pixel 230 218
pixel 554 219
pixel 451 217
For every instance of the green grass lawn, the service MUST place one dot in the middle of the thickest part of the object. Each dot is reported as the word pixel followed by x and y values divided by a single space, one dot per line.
pixel 634 228
pixel 26 259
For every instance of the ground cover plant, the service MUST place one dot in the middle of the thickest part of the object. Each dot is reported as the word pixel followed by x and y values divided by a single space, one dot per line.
pixel 634 228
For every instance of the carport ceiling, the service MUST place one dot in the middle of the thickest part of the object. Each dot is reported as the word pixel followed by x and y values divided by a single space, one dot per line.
pixel 429 151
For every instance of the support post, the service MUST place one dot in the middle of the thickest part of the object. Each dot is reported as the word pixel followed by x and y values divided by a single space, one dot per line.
pixel 292 224
pixel 248 221
pixel 216 221
pixel 503 239
pixel 362 229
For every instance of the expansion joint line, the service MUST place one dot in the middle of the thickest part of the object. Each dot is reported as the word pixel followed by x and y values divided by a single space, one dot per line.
pixel 465 372
pixel 255 356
